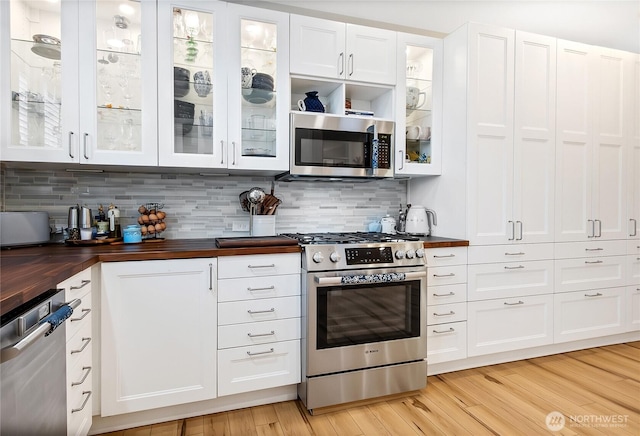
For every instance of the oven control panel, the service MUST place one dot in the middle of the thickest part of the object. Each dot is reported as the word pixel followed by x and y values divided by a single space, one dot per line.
pixel 368 256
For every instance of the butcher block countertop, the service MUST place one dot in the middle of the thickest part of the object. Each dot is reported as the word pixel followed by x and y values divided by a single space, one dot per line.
pixel 27 272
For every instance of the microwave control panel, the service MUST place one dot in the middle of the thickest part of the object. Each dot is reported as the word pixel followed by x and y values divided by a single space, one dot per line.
pixel 384 150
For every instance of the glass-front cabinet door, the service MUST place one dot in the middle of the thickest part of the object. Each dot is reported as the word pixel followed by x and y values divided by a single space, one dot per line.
pixel 419 103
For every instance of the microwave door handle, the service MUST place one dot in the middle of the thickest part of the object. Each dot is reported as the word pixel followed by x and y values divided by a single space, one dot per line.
pixel 370 278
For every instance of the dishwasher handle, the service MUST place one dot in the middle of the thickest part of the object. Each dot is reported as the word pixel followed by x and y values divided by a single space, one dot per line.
pixel 41 331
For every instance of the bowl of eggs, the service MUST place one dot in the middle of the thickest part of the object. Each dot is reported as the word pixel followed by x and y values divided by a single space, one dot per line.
pixel 151 220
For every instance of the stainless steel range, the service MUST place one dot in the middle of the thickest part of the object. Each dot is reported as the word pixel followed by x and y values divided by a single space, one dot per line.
pixel 364 317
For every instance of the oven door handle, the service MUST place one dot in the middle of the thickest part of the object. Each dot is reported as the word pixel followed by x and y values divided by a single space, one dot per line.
pixel 370 278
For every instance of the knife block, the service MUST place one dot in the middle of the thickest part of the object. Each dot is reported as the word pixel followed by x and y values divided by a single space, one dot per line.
pixel 262 225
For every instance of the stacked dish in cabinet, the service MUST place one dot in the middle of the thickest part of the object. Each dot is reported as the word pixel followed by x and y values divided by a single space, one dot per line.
pixel 79 354
pixel 446 304
pixel 258 322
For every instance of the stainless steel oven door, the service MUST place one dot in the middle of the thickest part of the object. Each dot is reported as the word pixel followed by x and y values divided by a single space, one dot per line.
pixel 365 318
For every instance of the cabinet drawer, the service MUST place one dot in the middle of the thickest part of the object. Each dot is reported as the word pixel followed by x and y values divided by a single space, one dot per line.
pixel 500 325
pixel 510 253
pixel 589 314
pixel 253 288
pixel 236 312
pixel 230 267
pixel 79 347
pixel 565 250
pixel 80 319
pixel 591 273
pixel 633 269
pixel 633 307
pixel 444 313
pixel 77 286
pixel 446 256
pixel 257 367
pixel 446 275
pixel 633 246
pixel 254 333
pixel 79 397
pixel 511 279
pixel 446 294
pixel 447 342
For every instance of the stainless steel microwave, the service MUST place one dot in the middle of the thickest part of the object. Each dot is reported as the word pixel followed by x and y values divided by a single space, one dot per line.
pixel 331 147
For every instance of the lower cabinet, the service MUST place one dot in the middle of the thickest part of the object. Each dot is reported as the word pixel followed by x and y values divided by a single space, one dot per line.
pixel 633 308
pixel 159 339
pixel 589 314
pixel 446 342
pixel 509 324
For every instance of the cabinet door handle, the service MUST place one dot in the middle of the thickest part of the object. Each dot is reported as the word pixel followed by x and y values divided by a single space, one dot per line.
pixel 401 152
pixel 515 254
pixel 445 295
pixel 233 147
pixel 71 155
pixel 85 312
pixel 262 266
pixel 257 335
pixel 84 345
pixel 451 329
pixel 83 284
pixel 514 267
pixel 593 229
pixel 260 352
pixel 351 64
pixel 514 304
pixel 86 374
pixel 341 64
pixel 597 294
pixel 211 277
pixel 635 227
pixel 253 312
pixel 513 231
pixel 519 238
pixel 84 141
pixel 592 261
pixel 593 249
pixel 451 312
pixel 268 288
pixel 599 228
pixel 443 256
pixel 84 403
pixel 221 151
pixel 444 275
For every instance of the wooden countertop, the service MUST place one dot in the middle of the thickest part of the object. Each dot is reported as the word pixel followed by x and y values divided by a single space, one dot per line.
pixel 27 272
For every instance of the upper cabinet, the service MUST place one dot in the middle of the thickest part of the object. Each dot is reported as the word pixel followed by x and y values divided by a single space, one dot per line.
pixel 323 48
pixel 594 116
pixel 418 138
pixel 78 82
pixel 223 74
pixel 633 194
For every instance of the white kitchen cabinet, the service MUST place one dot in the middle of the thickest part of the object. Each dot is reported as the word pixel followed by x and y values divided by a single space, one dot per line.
pixel 259 322
pixel 220 124
pixel 511 279
pixel 159 334
pixel 633 186
pixel 91 99
pixel 590 273
pixel 330 49
pixel 418 110
pixel 510 253
pixel 507 324
pixel 593 118
pixel 633 307
pixel 508 96
pixel 80 365
pixel 446 342
pixel 588 314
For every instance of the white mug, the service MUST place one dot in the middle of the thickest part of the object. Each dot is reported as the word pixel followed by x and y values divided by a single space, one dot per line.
pixel 413 97
pixel 301 105
pixel 413 132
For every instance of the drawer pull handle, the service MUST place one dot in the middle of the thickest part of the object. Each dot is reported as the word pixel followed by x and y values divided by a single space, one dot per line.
pixel 592 261
pixel 443 256
pixel 86 374
pixel 268 288
pixel 84 345
pixel 514 304
pixel 445 295
pixel 85 312
pixel 514 267
pixel 451 312
pixel 597 294
pixel 83 284
pixel 84 403
pixel 251 312
pixel 211 277
pixel 260 352
pixel 593 249
pixel 444 275
pixel 262 266
pixel 520 253
pixel 252 335
pixel 451 329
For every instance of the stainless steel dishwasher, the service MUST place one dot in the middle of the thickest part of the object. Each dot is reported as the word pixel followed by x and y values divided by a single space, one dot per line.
pixel 33 392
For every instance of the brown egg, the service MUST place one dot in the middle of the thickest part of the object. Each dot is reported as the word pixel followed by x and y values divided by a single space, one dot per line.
pixel 142 209
pixel 145 219
pixel 161 215
pixel 153 217
pixel 140 221
pixel 152 211
pixel 151 229
pixel 158 227
pixel 164 225
pixel 143 230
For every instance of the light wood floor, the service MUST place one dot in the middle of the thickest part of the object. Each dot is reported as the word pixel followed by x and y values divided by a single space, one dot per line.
pixel 596 387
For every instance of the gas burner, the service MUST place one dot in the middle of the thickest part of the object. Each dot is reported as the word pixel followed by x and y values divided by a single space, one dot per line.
pixel 348 238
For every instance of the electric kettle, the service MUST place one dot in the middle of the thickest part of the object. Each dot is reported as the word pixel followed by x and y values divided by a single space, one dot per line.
pixel 418 220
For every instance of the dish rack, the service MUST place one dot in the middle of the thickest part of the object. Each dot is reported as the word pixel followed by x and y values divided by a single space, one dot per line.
pixel 151 221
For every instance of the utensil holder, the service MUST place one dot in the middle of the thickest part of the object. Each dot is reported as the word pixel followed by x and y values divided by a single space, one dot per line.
pixel 263 225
